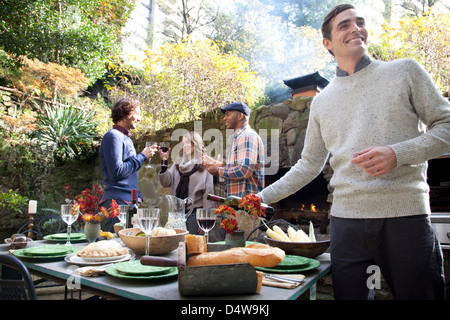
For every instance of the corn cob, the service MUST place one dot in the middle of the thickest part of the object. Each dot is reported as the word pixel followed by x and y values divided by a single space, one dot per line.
pixel 278 230
pixel 301 236
pixel 291 233
pixel 311 232
pixel 273 235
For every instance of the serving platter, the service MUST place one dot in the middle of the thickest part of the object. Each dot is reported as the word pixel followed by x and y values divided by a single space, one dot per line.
pixel 74 259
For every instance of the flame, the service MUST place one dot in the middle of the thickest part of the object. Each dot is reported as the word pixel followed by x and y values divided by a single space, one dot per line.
pixel 313 208
pixel 303 207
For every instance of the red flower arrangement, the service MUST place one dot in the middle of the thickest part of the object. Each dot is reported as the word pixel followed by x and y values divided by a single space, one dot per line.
pixel 89 205
pixel 251 207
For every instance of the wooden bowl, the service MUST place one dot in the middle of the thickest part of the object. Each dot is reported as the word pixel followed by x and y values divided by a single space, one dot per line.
pixel 304 249
pixel 158 245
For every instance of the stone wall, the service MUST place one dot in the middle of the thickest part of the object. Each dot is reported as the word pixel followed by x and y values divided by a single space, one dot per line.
pixel 287 121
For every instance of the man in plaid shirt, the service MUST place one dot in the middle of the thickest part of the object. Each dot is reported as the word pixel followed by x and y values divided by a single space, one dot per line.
pixel 244 168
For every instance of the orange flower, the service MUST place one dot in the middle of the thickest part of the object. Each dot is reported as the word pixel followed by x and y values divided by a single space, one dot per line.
pixel 230 225
pixel 88 202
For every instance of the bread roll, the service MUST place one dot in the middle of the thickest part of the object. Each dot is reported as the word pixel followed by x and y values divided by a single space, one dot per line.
pixel 195 244
pixel 258 255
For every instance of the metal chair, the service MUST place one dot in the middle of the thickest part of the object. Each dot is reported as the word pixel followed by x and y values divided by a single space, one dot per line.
pixel 15 282
pixel 39 223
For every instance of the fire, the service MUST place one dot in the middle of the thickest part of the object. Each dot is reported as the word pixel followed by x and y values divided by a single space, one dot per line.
pixel 311 208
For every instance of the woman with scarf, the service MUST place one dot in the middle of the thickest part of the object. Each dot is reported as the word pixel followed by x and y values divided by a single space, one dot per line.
pixel 187 177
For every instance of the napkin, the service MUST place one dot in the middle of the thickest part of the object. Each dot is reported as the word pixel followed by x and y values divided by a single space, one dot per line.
pixel 91 271
pixel 279 284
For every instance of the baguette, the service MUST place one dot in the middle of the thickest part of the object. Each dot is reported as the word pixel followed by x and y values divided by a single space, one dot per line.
pixel 258 255
pixel 195 244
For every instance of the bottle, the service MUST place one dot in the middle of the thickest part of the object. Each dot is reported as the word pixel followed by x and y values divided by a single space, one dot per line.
pixel 233 201
pixel 132 209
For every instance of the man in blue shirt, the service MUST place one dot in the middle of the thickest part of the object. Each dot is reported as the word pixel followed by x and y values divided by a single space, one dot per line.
pixel 118 159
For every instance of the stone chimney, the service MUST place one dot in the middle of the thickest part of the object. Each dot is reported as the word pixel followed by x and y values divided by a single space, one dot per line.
pixel 307 86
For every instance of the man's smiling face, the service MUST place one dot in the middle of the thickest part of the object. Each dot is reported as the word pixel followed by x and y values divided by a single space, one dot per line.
pixel 348 35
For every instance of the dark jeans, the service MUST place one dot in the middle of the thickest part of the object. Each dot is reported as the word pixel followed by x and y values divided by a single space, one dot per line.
pixel 405 249
pixel 108 223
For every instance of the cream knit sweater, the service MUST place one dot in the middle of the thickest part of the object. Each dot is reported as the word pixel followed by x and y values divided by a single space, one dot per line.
pixel 386 103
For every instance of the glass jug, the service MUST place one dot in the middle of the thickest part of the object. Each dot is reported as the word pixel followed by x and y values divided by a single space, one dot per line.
pixel 177 214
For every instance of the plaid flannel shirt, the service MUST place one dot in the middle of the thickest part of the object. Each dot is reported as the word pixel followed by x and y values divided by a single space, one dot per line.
pixel 244 168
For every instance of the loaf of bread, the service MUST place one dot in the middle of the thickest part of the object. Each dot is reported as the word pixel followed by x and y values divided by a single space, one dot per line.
pixel 259 274
pixel 258 255
pixel 195 244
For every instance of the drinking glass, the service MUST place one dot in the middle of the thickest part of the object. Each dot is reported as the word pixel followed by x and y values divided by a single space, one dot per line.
pixel 206 219
pixel 148 145
pixel 164 146
pixel 148 219
pixel 68 217
pixel 123 210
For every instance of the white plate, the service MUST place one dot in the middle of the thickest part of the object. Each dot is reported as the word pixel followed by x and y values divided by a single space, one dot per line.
pixel 73 258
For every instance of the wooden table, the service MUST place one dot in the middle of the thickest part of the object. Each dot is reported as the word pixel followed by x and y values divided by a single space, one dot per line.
pixel 111 287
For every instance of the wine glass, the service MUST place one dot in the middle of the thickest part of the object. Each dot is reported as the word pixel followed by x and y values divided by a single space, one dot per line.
pixel 206 219
pixel 123 210
pixel 148 145
pixel 148 219
pixel 69 216
pixel 164 146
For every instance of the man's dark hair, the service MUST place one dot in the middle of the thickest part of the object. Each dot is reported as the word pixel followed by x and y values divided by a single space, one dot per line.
pixel 122 109
pixel 326 27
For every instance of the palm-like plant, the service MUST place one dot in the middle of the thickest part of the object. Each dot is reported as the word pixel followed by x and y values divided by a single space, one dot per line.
pixel 67 131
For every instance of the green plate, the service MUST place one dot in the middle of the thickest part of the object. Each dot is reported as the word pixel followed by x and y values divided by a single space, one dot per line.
pixel 293 262
pixel 62 237
pixel 46 252
pixel 314 264
pixel 136 268
pixel 112 271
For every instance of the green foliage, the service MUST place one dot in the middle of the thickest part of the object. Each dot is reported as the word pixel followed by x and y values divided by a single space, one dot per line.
pixel 425 39
pixel 13 202
pixel 23 163
pixel 67 131
pixel 185 80
pixel 80 34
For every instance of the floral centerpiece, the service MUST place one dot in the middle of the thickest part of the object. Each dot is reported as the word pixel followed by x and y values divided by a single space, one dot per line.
pixel 251 209
pixel 88 204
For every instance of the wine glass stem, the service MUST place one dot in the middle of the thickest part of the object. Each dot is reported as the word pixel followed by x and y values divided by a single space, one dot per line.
pixel 147 240
pixel 207 236
pixel 69 229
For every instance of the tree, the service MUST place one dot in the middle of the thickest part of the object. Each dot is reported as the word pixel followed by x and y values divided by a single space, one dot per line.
pixel 187 79
pixel 80 34
pixel 184 17
pixel 425 39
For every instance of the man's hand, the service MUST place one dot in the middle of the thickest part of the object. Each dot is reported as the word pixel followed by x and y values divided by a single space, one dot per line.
pixel 212 165
pixel 376 161
pixel 150 151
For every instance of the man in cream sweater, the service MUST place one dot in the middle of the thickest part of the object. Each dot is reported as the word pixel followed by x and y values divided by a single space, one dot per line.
pixel 378 122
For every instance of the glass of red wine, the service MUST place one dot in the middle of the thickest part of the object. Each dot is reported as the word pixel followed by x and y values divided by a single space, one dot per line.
pixel 164 146
pixel 206 219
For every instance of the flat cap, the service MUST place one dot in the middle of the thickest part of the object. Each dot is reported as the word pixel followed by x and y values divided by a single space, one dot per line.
pixel 238 106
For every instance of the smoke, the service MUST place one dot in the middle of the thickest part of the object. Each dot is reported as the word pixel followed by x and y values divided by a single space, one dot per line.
pixel 275 49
